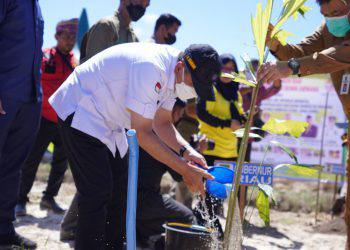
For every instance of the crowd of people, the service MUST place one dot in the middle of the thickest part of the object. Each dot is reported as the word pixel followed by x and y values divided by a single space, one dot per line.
pixel 182 108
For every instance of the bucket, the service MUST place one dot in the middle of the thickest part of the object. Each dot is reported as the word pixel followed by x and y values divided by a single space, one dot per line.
pixel 180 236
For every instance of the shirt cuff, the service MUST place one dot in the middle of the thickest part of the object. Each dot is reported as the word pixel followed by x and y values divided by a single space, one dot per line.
pixel 147 110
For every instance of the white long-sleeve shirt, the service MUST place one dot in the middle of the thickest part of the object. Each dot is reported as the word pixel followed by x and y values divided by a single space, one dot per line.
pixel 133 76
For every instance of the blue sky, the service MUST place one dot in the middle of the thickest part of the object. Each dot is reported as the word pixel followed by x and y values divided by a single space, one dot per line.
pixel 224 24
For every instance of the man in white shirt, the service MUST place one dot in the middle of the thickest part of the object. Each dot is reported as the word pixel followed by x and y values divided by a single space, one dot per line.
pixel 128 86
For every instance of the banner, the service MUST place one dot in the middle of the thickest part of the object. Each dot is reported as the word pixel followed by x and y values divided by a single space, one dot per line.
pixel 252 174
pixel 304 99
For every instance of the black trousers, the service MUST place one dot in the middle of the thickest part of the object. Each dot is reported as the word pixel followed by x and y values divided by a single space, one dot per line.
pixel 101 180
pixel 154 210
pixel 48 132
pixel 18 129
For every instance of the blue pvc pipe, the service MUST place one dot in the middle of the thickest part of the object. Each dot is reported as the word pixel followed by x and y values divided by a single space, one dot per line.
pixel 132 190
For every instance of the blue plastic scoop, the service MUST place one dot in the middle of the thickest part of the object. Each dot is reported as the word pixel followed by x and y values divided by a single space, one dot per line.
pixel 221 186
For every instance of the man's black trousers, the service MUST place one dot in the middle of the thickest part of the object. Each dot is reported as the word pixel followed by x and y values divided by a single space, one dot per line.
pixel 101 180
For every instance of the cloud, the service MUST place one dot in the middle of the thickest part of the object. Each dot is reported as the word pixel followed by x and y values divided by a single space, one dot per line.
pixel 150 19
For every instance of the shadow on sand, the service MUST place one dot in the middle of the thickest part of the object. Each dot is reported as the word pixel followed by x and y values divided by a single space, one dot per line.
pixel 250 230
pixel 51 221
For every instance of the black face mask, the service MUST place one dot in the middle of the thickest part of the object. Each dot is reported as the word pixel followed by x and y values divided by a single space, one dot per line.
pixel 171 39
pixel 228 90
pixel 135 11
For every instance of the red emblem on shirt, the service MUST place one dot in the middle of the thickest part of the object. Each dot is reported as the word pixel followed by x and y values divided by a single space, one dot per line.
pixel 158 87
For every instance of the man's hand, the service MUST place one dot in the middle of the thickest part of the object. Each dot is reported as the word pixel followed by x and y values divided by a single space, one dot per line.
pixel 202 144
pixel 193 156
pixel 235 125
pixel 149 141
pixel 193 178
pixel 272 44
pixel 2 111
pixel 277 84
pixel 272 71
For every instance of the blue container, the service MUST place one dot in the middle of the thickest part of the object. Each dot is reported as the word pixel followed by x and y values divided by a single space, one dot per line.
pixel 217 189
pixel 221 186
pixel 222 175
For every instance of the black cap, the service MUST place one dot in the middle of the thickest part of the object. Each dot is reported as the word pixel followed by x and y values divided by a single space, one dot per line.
pixel 204 64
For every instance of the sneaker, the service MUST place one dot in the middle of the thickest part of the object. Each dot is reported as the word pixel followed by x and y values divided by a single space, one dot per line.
pixel 16 241
pixel 20 210
pixel 50 204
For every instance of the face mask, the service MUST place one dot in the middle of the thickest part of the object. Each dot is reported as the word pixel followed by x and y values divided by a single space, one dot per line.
pixel 171 39
pixel 338 26
pixel 228 90
pixel 183 91
pixel 135 11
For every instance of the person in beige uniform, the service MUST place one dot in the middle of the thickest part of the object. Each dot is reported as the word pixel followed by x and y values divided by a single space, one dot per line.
pixel 107 32
pixel 327 50
pixel 114 29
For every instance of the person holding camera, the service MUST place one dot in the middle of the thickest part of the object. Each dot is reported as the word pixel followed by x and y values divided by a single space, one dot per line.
pixel 217 120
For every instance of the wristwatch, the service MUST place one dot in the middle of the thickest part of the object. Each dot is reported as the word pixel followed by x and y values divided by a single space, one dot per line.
pixel 294 65
pixel 183 149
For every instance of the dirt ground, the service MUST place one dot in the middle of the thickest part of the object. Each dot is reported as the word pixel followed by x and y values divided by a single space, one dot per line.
pixel 295 231
pixel 288 230
pixel 42 226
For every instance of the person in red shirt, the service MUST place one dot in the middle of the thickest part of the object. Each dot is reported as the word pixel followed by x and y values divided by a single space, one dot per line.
pixel 57 64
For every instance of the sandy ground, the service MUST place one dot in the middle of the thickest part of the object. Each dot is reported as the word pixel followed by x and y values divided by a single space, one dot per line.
pixel 42 226
pixel 288 230
pixel 295 231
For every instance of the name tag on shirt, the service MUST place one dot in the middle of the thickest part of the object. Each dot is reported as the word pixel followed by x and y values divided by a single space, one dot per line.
pixel 345 85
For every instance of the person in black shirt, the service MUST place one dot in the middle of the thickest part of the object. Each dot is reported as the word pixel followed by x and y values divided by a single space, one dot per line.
pixel 154 208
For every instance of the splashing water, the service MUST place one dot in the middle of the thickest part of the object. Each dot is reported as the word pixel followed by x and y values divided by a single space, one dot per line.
pixel 202 208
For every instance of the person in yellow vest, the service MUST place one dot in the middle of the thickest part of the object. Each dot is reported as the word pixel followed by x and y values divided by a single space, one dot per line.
pixel 217 121
pixel 219 118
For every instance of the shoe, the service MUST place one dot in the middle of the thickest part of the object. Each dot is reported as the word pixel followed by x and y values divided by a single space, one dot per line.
pixel 50 204
pixel 67 235
pixel 16 241
pixel 20 210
